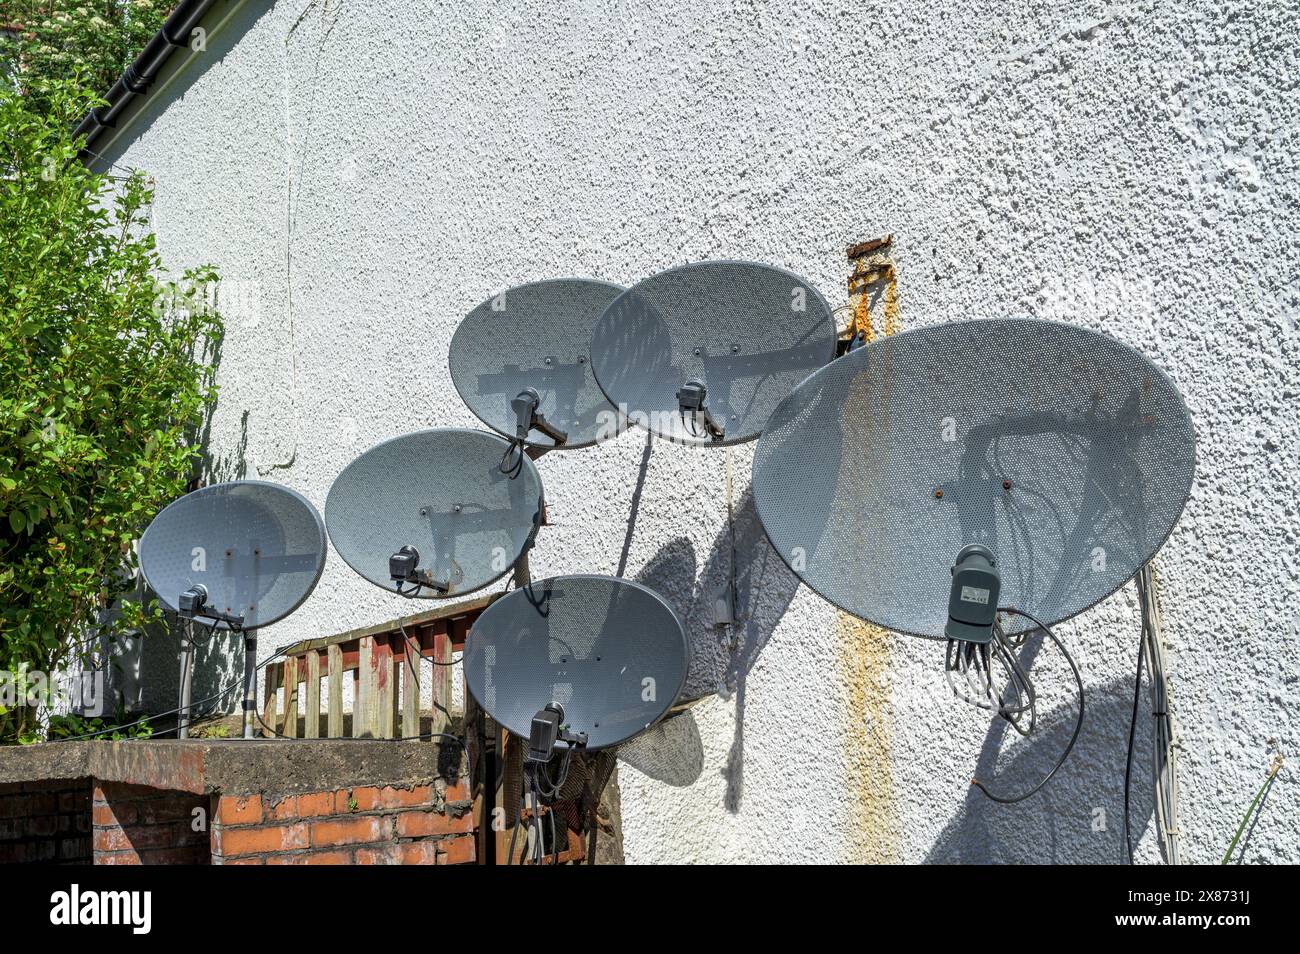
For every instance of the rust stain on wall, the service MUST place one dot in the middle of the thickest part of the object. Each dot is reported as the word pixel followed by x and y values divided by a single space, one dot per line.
pixel 864 651
pixel 864 648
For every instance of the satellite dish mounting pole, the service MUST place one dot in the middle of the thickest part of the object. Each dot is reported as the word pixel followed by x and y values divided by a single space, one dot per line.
pixel 193 603
pixel 187 676
pixel 250 682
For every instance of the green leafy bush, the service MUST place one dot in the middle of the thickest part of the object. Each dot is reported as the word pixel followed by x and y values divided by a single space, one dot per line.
pixel 105 379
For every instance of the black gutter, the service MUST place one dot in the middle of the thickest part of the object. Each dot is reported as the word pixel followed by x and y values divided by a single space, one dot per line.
pixel 139 76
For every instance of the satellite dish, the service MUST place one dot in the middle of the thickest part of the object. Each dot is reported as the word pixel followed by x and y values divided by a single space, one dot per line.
pixel 703 353
pixel 234 556
pixel 430 514
pixel 256 550
pixel 535 340
pixel 611 653
pixel 1051 455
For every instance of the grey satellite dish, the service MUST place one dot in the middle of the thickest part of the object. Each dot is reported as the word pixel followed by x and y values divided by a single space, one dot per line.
pixel 526 352
pixel 1067 455
pixel 611 653
pixel 234 556
pixel 430 514
pixel 256 548
pixel 704 353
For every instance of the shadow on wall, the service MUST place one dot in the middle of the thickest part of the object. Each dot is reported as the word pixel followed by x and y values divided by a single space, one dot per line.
pixel 152 662
pixel 1078 817
pixel 721 657
pixel 228 467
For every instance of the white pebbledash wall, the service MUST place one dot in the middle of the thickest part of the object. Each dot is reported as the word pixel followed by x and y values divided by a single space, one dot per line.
pixel 363 174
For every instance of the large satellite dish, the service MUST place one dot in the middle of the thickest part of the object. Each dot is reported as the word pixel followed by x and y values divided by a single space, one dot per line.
pixel 255 548
pixel 430 514
pixel 1064 453
pixel 704 352
pixel 535 341
pixel 611 652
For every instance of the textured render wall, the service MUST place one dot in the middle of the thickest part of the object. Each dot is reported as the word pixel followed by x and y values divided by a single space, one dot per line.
pixel 364 174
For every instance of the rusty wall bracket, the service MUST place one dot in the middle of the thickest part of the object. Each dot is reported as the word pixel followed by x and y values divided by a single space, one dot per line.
pixel 873 277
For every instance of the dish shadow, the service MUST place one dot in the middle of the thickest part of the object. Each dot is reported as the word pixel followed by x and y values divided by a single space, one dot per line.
pixel 721 657
pixel 1078 817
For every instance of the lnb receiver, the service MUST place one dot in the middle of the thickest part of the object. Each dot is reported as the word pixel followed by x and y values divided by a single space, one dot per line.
pixel 193 600
pixel 547 730
pixel 193 604
pixel 403 567
pixel 402 564
pixel 973 600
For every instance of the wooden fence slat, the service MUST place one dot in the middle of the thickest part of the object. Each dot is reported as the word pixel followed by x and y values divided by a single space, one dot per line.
pixel 384 698
pixel 441 682
pixel 290 729
pixel 363 708
pixel 270 683
pixel 334 721
pixel 411 691
pixel 394 697
pixel 311 700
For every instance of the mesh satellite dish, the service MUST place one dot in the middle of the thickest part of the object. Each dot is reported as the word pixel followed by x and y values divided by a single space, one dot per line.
pixel 1065 453
pixel 256 548
pixel 931 479
pixel 521 362
pixel 612 654
pixel 574 663
pixel 430 514
pixel 234 556
pixel 703 353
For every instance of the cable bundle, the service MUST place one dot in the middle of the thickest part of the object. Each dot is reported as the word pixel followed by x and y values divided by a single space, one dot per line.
pixel 974 662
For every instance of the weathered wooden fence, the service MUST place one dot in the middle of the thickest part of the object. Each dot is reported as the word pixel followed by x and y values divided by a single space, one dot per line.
pixel 383 664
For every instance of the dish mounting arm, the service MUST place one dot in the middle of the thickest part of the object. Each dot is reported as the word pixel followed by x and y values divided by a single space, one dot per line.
pixel 193 604
pixel 404 567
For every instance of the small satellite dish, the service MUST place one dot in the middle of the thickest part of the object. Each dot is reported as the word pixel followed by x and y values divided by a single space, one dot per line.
pixel 430 514
pixel 1048 455
pixel 521 362
pixel 252 550
pixel 233 556
pixel 704 352
pixel 609 653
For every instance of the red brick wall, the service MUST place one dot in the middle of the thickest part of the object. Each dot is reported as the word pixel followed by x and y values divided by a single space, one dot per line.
pixel 138 825
pixel 420 825
pixel 107 823
pixel 46 821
